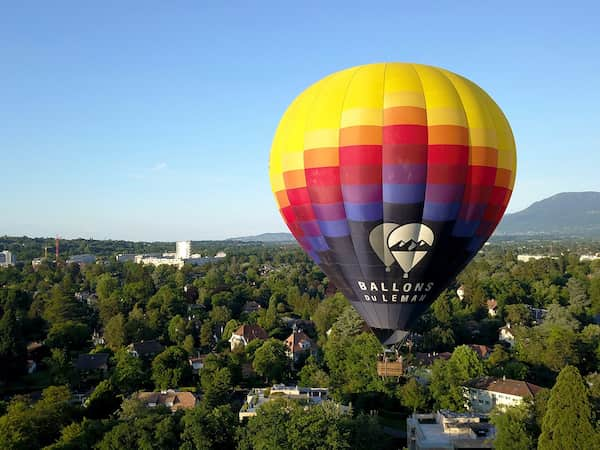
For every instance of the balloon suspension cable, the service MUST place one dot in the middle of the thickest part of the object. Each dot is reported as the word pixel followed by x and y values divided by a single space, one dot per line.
pixel 390 338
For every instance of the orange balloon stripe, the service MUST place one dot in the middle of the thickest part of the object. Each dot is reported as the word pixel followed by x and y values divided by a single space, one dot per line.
pixel 405 115
pixel 483 156
pixel 321 157
pixel 361 135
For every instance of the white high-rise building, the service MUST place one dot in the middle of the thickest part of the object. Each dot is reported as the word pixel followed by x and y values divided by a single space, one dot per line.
pixel 7 258
pixel 183 249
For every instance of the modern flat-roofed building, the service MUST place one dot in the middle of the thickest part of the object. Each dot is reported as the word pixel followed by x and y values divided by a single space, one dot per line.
pixel 259 396
pixel 123 257
pixel 7 258
pixel 36 262
pixel 183 249
pixel 527 258
pixel 159 261
pixel 182 255
pixel 81 259
pixel 449 430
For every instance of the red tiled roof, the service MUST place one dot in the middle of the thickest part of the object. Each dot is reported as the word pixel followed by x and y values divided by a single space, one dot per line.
pixel 172 399
pixel 482 350
pixel 295 340
pixel 199 358
pixel 32 346
pixel 505 386
pixel 492 303
pixel 251 332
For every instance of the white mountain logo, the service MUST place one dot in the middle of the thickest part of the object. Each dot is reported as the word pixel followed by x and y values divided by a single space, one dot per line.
pixel 405 244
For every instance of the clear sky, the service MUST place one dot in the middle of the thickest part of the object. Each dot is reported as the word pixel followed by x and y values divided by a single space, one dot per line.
pixel 153 120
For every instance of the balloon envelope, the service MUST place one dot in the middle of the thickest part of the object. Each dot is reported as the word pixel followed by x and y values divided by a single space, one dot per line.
pixel 392 177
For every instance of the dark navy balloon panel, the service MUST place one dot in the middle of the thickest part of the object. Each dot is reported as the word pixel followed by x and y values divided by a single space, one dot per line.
pixel 391 177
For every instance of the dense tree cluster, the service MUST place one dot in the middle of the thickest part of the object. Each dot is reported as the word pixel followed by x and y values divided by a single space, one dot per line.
pixel 195 310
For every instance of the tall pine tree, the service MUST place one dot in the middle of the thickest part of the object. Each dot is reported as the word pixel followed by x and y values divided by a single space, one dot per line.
pixel 513 428
pixel 567 423
pixel 13 353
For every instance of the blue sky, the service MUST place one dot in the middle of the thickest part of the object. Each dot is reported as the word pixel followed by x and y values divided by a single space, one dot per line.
pixel 153 120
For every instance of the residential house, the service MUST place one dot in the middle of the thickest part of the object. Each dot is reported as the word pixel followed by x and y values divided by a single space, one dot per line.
pixel 492 306
pixel 7 259
pixel 449 430
pixel 37 262
pixel 145 349
pixel 92 300
pixel 191 293
pixel 483 351
pixel 37 351
pixel 298 344
pixel 197 363
pixel 537 314
pixel 246 334
pixel 31 366
pixel 265 269
pixel 98 339
pixel 250 307
pixel 92 362
pixel 427 359
pixel 260 396
pixel 507 335
pixel 195 312
pixel 461 292
pixel 291 322
pixel 485 393
pixel 174 400
pixel 82 296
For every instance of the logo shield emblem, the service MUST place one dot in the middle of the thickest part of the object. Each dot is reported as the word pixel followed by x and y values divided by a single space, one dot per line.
pixel 405 244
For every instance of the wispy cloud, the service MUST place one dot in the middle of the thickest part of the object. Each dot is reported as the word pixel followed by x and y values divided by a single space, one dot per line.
pixel 142 173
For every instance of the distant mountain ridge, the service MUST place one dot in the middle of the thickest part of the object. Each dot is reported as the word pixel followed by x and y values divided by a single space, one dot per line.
pixel 265 237
pixel 568 214
pixel 575 214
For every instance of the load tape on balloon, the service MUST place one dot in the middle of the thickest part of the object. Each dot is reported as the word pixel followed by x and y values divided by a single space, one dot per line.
pixel 392 177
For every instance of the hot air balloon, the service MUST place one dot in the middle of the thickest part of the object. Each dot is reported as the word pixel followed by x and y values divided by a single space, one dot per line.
pixel 391 177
